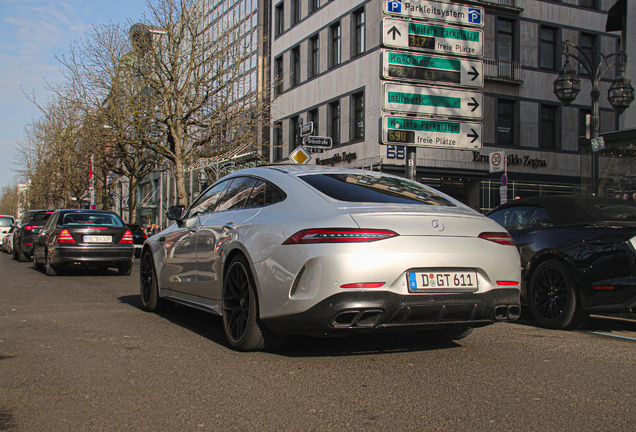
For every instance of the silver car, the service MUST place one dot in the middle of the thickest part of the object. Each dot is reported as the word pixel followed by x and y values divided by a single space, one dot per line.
pixel 309 250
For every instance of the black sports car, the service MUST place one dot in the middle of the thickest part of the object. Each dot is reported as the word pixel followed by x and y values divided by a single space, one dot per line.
pixel 578 255
pixel 86 238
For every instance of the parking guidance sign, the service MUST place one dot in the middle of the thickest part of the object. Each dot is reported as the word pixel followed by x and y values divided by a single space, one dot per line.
pixel 438 11
pixel 408 131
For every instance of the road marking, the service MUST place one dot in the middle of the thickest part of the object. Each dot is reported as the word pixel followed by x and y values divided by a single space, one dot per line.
pixel 612 335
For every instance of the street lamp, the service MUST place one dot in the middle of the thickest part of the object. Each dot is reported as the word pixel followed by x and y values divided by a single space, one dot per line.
pixel 568 84
pixel 203 179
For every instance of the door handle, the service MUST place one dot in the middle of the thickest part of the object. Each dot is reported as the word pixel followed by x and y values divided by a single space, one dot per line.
pixel 228 226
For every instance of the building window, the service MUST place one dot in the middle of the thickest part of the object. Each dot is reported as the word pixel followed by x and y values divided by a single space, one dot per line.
pixel 278 141
pixel 295 11
pixel 548 48
pixel 279 24
pixel 505 39
pixel 358 43
pixel 590 4
pixel 505 122
pixel 312 116
pixel 314 5
pixel 295 66
pixel 314 56
pixel 336 45
pixel 548 127
pixel 357 116
pixel 278 75
pixel 587 44
pixel 334 122
pixel 294 134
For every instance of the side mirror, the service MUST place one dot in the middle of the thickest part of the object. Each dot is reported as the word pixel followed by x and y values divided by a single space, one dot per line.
pixel 175 213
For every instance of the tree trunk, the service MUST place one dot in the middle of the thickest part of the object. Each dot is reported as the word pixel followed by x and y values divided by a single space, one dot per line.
pixel 179 176
pixel 132 202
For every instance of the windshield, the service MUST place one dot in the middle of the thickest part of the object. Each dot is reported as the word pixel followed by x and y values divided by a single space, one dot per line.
pixel 5 221
pixel 374 189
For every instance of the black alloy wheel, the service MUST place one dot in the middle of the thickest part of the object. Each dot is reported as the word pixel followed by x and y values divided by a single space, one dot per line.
pixel 553 298
pixel 148 288
pixel 241 323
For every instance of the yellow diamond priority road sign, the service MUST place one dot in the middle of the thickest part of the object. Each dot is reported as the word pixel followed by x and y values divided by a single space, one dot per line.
pixel 300 156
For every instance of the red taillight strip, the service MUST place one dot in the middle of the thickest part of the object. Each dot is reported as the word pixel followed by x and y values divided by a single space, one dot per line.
pixel 94 227
pixel 65 237
pixel 127 238
pixel 363 285
pixel 507 283
pixel 339 235
pixel 501 238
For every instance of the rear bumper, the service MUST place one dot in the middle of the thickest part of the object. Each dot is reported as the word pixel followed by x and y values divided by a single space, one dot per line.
pixel 360 311
pixel 112 256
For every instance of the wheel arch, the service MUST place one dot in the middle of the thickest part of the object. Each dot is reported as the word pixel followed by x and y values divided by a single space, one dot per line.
pixel 546 255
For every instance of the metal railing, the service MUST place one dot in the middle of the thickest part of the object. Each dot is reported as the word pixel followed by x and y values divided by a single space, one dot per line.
pixel 502 69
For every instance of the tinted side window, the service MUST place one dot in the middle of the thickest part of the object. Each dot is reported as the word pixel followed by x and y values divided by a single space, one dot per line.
pixel 207 201
pixel 237 193
pixel 516 218
pixel 264 193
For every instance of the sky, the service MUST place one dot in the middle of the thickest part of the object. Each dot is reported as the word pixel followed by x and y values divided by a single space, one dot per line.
pixel 32 34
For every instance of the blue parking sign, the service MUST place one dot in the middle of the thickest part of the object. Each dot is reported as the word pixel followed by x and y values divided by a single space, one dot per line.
pixel 474 16
pixel 395 6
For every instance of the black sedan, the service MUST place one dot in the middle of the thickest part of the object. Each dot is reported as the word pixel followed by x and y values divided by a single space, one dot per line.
pixel 28 231
pixel 139 237
pixel 578 255
pixel 84 238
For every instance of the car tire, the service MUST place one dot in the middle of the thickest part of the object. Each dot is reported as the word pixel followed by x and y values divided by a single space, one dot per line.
pixel 22 256
pixel 552 297
pixel 49 269
pixel 148 288
pixel 241 323
pixel 36 265
pixel 446 335
pixel 125 270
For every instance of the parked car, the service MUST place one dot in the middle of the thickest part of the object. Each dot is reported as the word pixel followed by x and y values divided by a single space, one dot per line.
pixel 5 225
pixel 24 236
pixel 84 238
pixel 7 241
pixel 139 237
pixel 314 250
pixel 578 255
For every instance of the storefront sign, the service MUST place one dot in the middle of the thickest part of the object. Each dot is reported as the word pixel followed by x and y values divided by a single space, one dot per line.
pixel 513 159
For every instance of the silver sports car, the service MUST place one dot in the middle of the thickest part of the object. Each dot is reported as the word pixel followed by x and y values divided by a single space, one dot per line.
pixel 298 249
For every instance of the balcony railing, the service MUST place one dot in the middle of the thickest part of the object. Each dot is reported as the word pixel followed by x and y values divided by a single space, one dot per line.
pixel 504 70
pixel 509 5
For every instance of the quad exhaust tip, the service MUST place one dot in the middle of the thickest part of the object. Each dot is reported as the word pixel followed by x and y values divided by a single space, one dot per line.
pixel 507 312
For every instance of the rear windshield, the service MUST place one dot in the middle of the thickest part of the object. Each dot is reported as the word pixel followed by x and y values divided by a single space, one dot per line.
pixel 39 217
pixel 5 221
pixel 374 189
pixel 91 219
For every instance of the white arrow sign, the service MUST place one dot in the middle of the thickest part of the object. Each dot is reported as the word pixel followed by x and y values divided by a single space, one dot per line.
pixel 432 101
pixel 437 38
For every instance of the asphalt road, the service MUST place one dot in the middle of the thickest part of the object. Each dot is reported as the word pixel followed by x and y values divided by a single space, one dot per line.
pixel 78 354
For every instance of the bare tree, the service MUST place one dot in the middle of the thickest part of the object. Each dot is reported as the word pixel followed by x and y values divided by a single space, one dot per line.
pixel 9 200
pixel 199 85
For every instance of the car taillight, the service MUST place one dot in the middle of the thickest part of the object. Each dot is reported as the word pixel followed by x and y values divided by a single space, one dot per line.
pixel 339 235
pixel 29 227
pixel 65 237
pixel 127 238
pixel 501 238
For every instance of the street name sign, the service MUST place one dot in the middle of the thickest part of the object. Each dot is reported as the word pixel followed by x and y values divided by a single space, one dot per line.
pixel 406 66
pixel 318 142
pixel 430 100
pixel 410 131
pixel 442 39
pixel 306 129
pixel 437 11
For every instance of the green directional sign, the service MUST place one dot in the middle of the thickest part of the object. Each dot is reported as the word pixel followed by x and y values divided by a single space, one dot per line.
pixel 428 100
pixel 432 68
pixel 438 38
pixel 418 132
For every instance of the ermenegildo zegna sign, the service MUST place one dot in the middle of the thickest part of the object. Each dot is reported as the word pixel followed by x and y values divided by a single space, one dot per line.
pixel 513 159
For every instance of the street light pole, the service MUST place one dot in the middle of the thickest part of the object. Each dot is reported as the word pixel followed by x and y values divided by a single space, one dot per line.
pixel 568 85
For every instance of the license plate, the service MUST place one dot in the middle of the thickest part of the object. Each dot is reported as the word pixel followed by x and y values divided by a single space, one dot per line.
pixel 97 239
pixel 442 280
